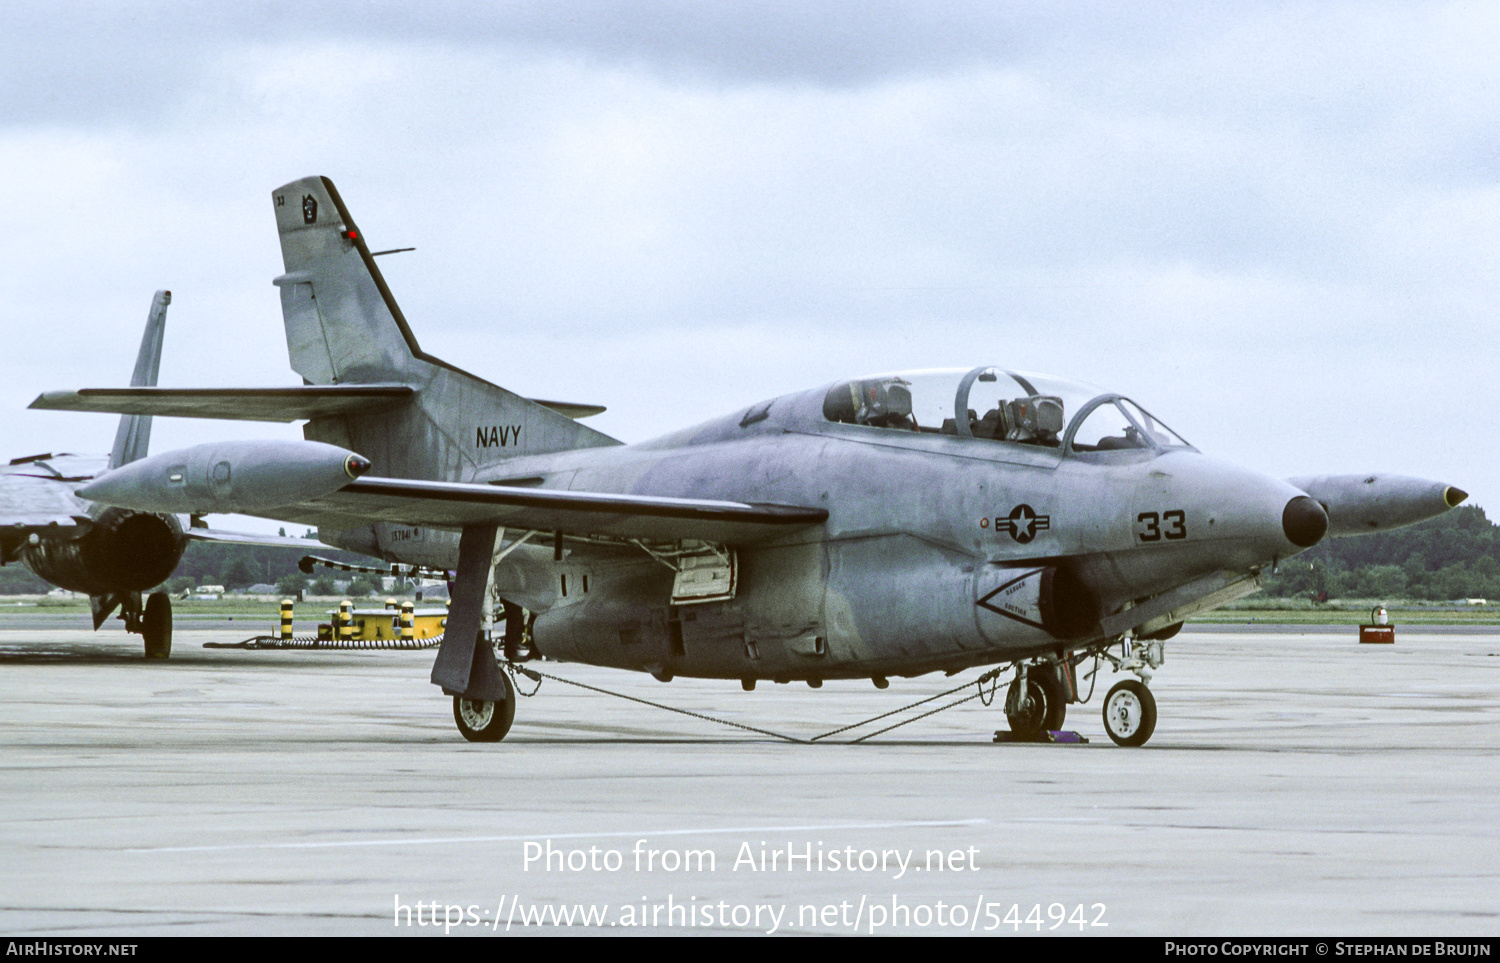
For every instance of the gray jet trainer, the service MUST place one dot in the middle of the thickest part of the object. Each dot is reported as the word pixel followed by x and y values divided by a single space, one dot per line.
pixel 884 526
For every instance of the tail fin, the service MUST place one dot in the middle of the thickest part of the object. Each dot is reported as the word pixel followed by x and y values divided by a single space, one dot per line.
pixel 133 437
pixel 344 327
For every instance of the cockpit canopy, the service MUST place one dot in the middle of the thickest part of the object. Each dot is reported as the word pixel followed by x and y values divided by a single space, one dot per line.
pixel 994 404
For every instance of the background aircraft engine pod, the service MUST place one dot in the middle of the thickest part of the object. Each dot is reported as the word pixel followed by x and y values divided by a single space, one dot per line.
pixel 1053 600
pixel 123 551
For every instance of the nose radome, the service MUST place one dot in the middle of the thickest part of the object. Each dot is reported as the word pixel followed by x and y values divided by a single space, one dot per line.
pixel 1304 521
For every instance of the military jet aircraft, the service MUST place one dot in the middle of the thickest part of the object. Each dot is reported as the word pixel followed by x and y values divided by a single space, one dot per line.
pixel 112 554
pixel 115 554
pixel 881 526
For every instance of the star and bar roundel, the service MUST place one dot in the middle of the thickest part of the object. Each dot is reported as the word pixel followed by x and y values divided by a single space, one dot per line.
pixel 1023 523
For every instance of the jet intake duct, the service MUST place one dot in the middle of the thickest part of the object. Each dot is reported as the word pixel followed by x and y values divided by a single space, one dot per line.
pixel 1304 521
pixel 1052 601
pixel 123 551
pixel 1070 609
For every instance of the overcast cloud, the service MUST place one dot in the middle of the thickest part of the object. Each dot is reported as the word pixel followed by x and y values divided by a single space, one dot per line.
pixel 1275 225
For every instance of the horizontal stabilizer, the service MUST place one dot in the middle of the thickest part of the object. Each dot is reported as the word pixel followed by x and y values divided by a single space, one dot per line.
pixel 256 404
pixel 455 505
pixel 231 404
pixel 571 409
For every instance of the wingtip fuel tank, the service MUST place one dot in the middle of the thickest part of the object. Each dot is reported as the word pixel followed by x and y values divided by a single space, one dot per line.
pixel 233 476
pixel 1360 504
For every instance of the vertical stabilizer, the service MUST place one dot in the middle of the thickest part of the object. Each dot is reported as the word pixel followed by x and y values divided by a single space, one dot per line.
pixel 344 327
pixel 133 437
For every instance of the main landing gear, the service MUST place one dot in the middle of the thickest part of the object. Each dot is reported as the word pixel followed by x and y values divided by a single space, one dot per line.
pixel 1037 700
pixel 152 621
pixel 156 626
pixel 485 721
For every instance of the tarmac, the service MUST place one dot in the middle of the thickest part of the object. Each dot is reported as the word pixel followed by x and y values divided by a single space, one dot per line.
pixel 1298 784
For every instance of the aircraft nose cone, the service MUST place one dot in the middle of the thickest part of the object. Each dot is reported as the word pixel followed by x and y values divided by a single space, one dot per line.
pixel 1454 497
pixel 1304 522
pixel 356 465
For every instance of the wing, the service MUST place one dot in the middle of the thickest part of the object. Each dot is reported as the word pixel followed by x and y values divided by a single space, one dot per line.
pixel 32 504
pixel 455 505
pixel 36 495
pixel 295 403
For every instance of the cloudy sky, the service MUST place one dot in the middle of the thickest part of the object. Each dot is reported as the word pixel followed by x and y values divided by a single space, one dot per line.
pixel 1275 225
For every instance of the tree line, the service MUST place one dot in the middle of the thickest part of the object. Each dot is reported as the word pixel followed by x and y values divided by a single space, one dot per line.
pixel 1454 556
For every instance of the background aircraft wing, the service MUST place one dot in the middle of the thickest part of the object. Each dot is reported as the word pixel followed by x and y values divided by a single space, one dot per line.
pixel 36 495
pixel 454 505
pixel 30 503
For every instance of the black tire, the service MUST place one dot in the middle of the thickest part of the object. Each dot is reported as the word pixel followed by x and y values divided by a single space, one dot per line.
pixel 1045 709
pixel 483 721
pixel 156 626
pixel 1130 713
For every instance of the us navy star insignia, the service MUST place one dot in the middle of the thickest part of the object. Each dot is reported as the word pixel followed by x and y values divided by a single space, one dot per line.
pixel 1023 523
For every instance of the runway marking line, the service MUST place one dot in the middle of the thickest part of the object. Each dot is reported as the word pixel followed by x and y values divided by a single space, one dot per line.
pixel 442 840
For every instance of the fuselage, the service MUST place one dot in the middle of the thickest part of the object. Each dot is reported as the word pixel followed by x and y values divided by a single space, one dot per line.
pixel 942 549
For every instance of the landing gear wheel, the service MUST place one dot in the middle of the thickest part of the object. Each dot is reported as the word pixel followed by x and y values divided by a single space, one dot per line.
pixel 156 626
pixel 1043 711
pixel 483 721
pixel 1130 713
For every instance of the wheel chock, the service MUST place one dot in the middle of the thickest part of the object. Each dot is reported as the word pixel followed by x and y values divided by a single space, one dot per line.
pixel 1059 736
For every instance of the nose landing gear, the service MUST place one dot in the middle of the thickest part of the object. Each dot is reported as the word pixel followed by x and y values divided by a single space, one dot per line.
pixel 1130 708
pixel 1130 713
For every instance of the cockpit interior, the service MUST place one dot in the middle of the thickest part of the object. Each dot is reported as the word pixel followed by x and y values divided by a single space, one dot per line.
pixel 995 404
